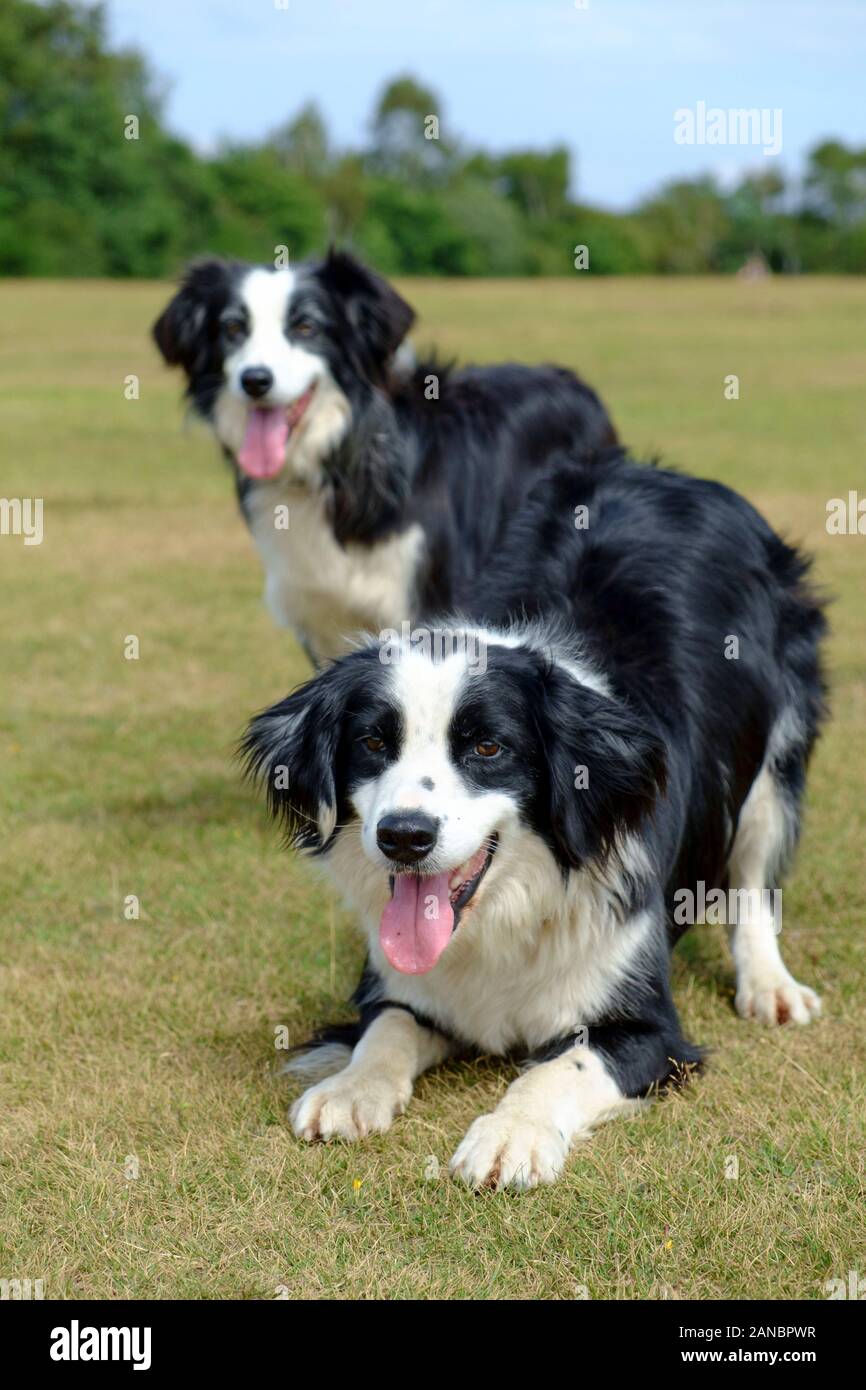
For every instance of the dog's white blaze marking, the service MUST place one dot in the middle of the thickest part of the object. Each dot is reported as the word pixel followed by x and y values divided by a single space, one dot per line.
pixel 266 295
pixel 428 694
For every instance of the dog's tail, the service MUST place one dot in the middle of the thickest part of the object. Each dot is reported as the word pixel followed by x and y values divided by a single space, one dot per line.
pixel 328 1051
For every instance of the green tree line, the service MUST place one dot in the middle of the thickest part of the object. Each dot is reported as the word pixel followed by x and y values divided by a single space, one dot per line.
pixel 85 190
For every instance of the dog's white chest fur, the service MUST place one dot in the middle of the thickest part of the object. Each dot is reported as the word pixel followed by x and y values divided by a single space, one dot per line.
pixel 537 960
pixel 500 999
pixel 323 591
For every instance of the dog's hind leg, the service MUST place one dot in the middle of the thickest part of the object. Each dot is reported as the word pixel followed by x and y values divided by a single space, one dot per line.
pixel 376 1085
pixel 765 838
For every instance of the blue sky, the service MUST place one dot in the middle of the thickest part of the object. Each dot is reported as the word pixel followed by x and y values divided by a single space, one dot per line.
pixel 604 80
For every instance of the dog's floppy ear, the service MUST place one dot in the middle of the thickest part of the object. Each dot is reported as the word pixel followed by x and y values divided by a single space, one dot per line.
pixel 605 768
pixel 376 311
pixel 181 331
pixel 292 749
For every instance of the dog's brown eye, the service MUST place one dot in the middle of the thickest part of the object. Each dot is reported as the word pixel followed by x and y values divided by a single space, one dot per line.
pixel 233 329
pixel 374 745
pixel 303 327
pixel 487 748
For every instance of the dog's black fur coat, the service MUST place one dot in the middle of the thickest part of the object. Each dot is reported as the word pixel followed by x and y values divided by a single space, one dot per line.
pixel 666 570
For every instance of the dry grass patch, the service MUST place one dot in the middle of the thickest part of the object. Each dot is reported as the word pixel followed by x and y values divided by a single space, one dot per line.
pixel 148 1045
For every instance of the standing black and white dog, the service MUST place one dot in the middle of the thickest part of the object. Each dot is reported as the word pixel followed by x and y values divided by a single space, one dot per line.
pixel 513 807
pixel 372 490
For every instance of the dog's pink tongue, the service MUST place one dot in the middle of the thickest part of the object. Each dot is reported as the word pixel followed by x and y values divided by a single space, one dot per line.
pixel 263 451
pixel 417 923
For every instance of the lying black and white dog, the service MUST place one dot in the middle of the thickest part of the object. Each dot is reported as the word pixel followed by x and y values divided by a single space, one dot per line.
pixel 373 490
pixel 515 815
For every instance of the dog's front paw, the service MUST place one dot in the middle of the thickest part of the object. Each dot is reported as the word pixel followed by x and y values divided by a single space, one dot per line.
pixel 509 1149
pixel 768 993
pixel 347 1106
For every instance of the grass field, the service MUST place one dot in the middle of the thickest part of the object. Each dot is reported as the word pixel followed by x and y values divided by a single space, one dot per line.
pixel 143 1141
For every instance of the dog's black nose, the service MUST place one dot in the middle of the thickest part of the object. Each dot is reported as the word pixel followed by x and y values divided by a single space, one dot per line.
pixel 406 836
pixel 257 381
